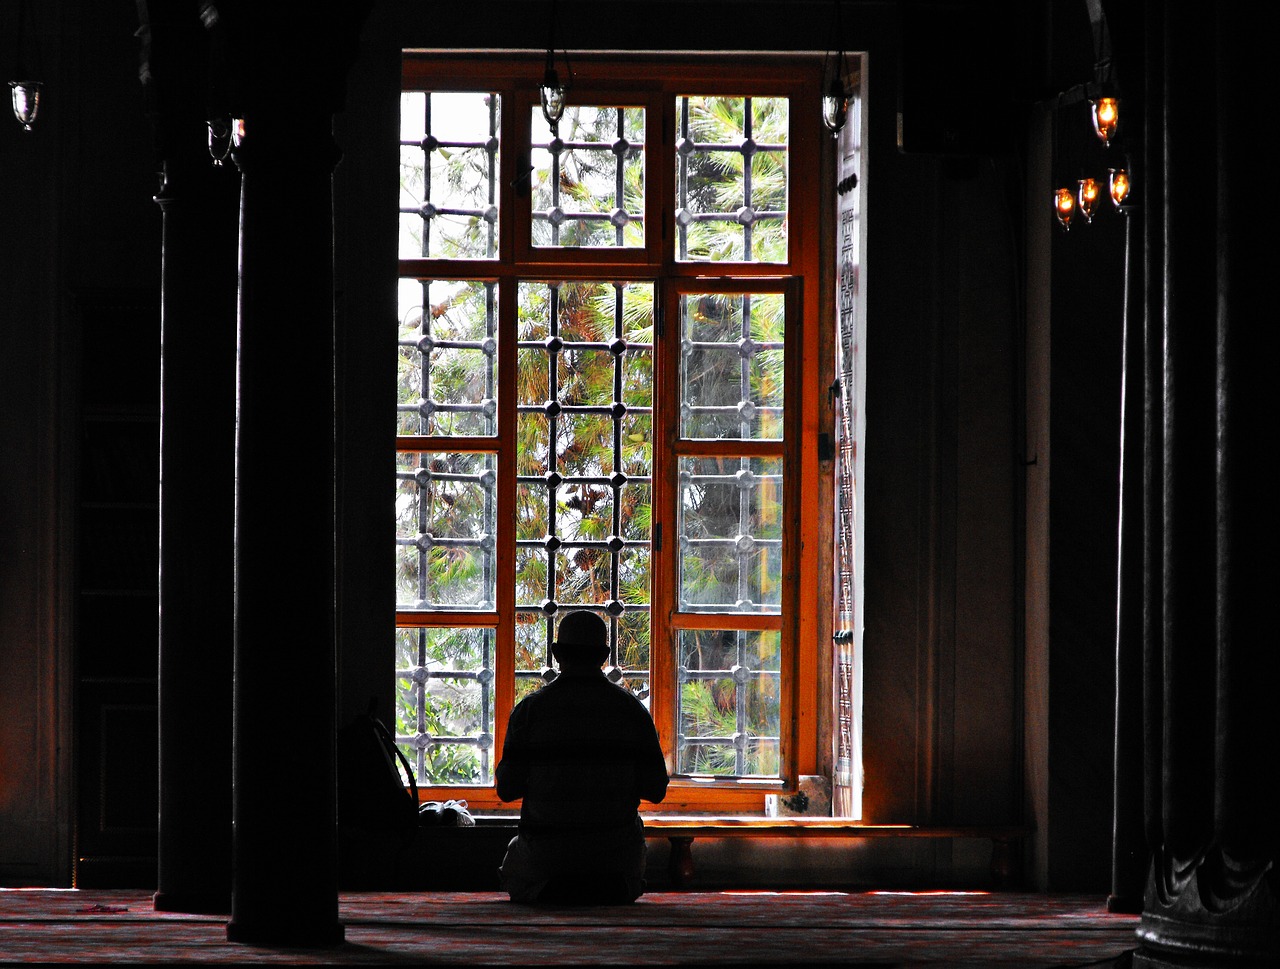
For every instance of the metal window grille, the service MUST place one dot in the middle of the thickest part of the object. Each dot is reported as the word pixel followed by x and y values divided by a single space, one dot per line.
pixel 560 547
pixel 452 328
pixel 585 190
pixel 459 180
pixel 742 221
pixel 452 708
pixel 729 718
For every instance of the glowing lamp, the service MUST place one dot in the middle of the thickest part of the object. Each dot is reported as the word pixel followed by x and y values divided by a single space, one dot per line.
pixel 1119 186
pixel 1089 194
pixel 1064 205
pixel 1106 117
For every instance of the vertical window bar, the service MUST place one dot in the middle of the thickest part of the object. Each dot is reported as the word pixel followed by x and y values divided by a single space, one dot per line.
pixel 491 151
pixel 424 381
pixel 553 445
pixel 555 148
pixel 748 153
pixel 426 186
pixel 615 564
pixel 741 726
pixel 619 198
pixel 683 180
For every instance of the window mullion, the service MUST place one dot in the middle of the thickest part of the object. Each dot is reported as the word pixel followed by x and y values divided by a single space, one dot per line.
pixel 665 537
pixel 504 677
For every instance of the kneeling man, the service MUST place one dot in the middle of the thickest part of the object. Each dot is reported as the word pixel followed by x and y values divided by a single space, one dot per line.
pixel 582 753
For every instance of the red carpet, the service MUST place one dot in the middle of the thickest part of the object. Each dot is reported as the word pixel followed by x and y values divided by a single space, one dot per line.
pixel 671 928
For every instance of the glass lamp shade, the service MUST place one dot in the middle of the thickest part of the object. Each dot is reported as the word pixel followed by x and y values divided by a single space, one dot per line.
pixel 1064 206
pixel 219 140
pixel 1090 192
pixel 835 108
pixel 26 101
pixel 1119 186
pixel 552 94
pixel 1106 118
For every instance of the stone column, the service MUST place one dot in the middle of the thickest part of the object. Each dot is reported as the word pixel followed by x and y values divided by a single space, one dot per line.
pixel 1211 660
pixel 285 848
pixel 290 66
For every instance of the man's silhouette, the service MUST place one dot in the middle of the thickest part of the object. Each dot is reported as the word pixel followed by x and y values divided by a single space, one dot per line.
pixel 582 753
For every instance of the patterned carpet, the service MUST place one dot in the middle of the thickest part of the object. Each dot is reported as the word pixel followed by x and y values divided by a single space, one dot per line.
pixel 863 929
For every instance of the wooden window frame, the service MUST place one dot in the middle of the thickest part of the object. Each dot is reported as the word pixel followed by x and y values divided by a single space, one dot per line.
pixel 655 82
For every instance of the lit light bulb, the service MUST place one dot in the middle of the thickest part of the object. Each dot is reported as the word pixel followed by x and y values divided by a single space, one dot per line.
pixel 1119 186
pixel 1064 205
pixel 1090 192
pixel 1106 117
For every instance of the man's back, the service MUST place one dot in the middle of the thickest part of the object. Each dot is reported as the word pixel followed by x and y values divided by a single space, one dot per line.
pixel 582 753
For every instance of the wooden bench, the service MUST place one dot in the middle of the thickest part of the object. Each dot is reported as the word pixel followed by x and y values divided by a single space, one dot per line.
pixel 681 830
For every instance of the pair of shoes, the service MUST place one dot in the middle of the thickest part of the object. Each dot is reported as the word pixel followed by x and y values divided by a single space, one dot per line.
pixel 445 814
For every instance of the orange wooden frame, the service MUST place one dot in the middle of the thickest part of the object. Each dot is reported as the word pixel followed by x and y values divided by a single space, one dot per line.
pixel 654 83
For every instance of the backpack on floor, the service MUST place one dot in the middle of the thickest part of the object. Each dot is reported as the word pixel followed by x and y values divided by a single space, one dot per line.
pixel 372 793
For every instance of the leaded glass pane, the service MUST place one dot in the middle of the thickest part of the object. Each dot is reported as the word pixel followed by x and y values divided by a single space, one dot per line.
pixel 446 510
pixel 448 358
pixel 732 361
pixel 445 703
pixel 731 179
pixel 533 651
pixel 588 180
pixel 449 163
pixel 584 464
pixel 729 702
pixel 730 534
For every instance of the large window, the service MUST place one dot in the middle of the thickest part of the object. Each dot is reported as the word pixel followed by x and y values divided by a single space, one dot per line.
pixel 602 353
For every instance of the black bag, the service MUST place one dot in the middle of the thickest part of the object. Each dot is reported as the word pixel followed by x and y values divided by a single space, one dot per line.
pixel 372 794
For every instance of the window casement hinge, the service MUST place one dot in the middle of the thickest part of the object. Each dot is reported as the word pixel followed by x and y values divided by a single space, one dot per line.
pixel 657 537
pixel 659 322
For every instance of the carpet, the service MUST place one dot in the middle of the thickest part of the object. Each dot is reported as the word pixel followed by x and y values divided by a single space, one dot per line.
pixel 861 929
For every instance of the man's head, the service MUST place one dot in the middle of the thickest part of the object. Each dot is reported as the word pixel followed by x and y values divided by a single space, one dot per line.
pixel 582 641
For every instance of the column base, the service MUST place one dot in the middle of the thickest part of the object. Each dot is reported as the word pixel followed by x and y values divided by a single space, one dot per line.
pixel 290 935
pixel 193 903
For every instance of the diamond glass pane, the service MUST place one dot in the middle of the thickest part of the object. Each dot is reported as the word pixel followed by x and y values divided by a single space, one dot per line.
pixel 729 702
pixel 731 179
pixel 588 181
pixel 447 361
pixel 445 703
pixel 730 534
pixel 732 361
pixel 449 175
pixel 446 511
pixel 584 463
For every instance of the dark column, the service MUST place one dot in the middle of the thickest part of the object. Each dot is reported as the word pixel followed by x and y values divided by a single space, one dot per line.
pixel 285 882
pixel 1210 897
pixel 197 430
pixel 290 66
pixel 197 433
